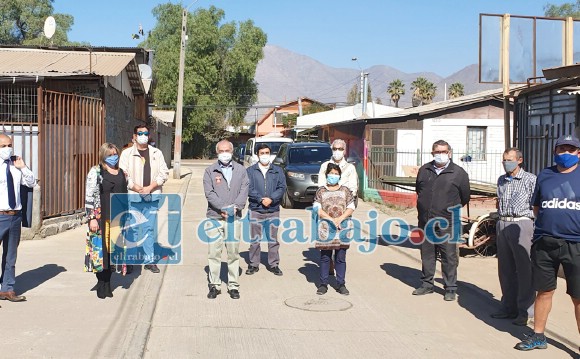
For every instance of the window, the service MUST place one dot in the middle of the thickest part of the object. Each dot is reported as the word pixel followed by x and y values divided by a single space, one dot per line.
pixel 476 143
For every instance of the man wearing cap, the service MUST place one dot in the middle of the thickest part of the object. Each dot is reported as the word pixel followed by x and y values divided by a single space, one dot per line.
pixel 515 229
pixel 13 174
pixel 556 242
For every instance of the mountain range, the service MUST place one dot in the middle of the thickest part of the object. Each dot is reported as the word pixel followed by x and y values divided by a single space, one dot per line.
pixel 283 76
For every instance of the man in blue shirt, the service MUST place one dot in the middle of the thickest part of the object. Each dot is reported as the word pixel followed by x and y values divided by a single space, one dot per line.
pixel 556 203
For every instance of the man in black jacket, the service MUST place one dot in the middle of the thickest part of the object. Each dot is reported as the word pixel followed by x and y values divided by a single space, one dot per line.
pixel 440 185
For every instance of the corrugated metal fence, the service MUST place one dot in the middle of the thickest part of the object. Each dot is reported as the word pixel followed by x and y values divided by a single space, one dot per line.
pixel 72 130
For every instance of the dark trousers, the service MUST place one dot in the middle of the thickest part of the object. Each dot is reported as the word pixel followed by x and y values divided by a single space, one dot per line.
pixel 339 265
pixel 449 262
pixel 265 227
pixel 514 241
pixel 105 275
pixel 10 227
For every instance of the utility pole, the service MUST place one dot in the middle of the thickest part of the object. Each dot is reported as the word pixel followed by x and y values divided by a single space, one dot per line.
pixel 179 110
pixel 365 93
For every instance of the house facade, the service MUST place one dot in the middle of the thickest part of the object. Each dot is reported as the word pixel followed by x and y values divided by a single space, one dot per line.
pixel 273 119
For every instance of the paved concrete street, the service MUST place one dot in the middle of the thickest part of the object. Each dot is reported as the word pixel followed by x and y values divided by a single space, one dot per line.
pixel 167 315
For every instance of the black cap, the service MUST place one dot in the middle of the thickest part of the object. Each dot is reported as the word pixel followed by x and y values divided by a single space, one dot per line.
pixel 568 140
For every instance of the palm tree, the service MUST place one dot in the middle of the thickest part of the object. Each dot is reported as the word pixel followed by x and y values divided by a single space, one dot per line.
pixel 423 91
pixel 396 89
pixel 456 90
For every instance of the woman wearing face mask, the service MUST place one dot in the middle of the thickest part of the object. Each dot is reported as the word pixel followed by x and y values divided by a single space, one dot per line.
pixel 103 180
pixel 334 204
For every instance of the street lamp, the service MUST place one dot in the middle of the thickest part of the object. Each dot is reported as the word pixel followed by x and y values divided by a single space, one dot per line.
pixel 179 110
pixel 363 87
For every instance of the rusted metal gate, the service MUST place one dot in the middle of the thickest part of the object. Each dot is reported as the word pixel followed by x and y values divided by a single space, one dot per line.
pixel 382 157
pixel 71 131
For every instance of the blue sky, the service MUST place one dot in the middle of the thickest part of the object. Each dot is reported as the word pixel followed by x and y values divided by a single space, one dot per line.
pixel 440 36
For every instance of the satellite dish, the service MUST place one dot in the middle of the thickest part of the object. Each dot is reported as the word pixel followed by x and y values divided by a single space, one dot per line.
pixel 145 71
pixel 49 27
pixel 357 110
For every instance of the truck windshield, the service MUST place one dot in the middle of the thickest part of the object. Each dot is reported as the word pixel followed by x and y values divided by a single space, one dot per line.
pixel 309 155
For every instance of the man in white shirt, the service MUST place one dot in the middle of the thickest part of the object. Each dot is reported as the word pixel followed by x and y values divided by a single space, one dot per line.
pixel 13 174
pixel 349 177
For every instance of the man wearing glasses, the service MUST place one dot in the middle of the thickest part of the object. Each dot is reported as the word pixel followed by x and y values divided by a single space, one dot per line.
pixel 440 185
pixel 146 173
pixel 348 177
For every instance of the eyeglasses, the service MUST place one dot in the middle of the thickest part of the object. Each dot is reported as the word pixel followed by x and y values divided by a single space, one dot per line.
pixel 337 149
pixel 142 133
pixel 440 152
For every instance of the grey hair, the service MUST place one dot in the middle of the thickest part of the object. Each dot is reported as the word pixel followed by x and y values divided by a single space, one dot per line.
pixel 338 141
pixel 224 141
pixel 518 152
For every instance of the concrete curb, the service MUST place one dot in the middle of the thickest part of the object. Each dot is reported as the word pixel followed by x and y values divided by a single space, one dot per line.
pixel 135 341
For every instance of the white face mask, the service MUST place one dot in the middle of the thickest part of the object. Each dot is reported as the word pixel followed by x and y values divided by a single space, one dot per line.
pixel 225 157
pixel 5 153
pixel 338 155
pixel 264 159
pixel 142 140
pixel 441 158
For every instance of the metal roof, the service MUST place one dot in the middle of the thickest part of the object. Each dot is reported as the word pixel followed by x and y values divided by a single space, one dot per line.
pixel 58 63
pixel 32 62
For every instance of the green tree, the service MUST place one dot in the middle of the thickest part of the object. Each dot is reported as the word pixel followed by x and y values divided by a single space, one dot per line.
pixel 456 90
pixel 564 10
pixel 353 96
pixel 220 66
pixel 22 23
pixel 424 91
pixel 395 90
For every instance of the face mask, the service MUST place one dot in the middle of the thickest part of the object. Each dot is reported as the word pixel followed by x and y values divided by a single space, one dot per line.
pixel 142 140
pixel 112 160
pixel 566 160
pixel 441 158
pixel 5 153
pixel 332 179
pixel 225 157
pixel 509 166
pixel 264 159
pixel 338 155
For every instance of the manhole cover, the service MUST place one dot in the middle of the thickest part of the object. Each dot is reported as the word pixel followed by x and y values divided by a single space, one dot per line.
pixel 318 304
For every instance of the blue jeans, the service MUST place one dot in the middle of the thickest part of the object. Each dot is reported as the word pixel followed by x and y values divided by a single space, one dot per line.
pixel 144 230
pixel 10 227
pixel 339 265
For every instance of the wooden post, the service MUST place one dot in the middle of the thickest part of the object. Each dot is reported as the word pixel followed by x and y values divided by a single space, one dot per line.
pixel 505 76
pixel 568 47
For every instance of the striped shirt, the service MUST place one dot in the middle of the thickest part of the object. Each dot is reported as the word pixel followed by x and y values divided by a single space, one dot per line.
pixel 515 194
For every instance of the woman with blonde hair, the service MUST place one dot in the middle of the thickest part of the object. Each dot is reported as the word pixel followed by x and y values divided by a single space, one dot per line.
pixel 103 180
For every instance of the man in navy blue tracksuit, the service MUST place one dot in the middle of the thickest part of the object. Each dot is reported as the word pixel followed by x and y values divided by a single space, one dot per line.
pixel 267 186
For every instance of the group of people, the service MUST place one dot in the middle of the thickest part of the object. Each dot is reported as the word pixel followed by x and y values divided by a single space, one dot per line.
pixel 228 186
pixel 538 228
pixel 139 171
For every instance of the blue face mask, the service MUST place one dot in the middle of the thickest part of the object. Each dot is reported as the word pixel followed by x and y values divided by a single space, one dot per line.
pixel 566 160
pixel 112 160
pixel 332 179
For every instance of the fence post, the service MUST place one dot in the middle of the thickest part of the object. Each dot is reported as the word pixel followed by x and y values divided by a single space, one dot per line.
pixel 418 157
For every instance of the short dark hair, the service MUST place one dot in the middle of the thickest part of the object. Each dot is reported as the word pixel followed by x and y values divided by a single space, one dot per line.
pixel 440 143
pixel 140 126
pixel 332 166
pixel 262 146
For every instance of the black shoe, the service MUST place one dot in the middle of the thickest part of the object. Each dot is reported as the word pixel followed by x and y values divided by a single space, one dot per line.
pixel 322 289
pixel 342 290
pixel 152 267
pixel 251 270
pixel 276 270
pixel 108 291
pixel 423 290
pixel 101 290
pixel 449 295
pixel 503 315
pixel 234 293
pixel 213 292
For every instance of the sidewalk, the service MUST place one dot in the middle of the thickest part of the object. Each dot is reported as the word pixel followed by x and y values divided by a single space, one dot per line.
pixel 168 315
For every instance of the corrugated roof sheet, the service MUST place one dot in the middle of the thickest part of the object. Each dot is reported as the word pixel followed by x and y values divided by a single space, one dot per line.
pixel 39 62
